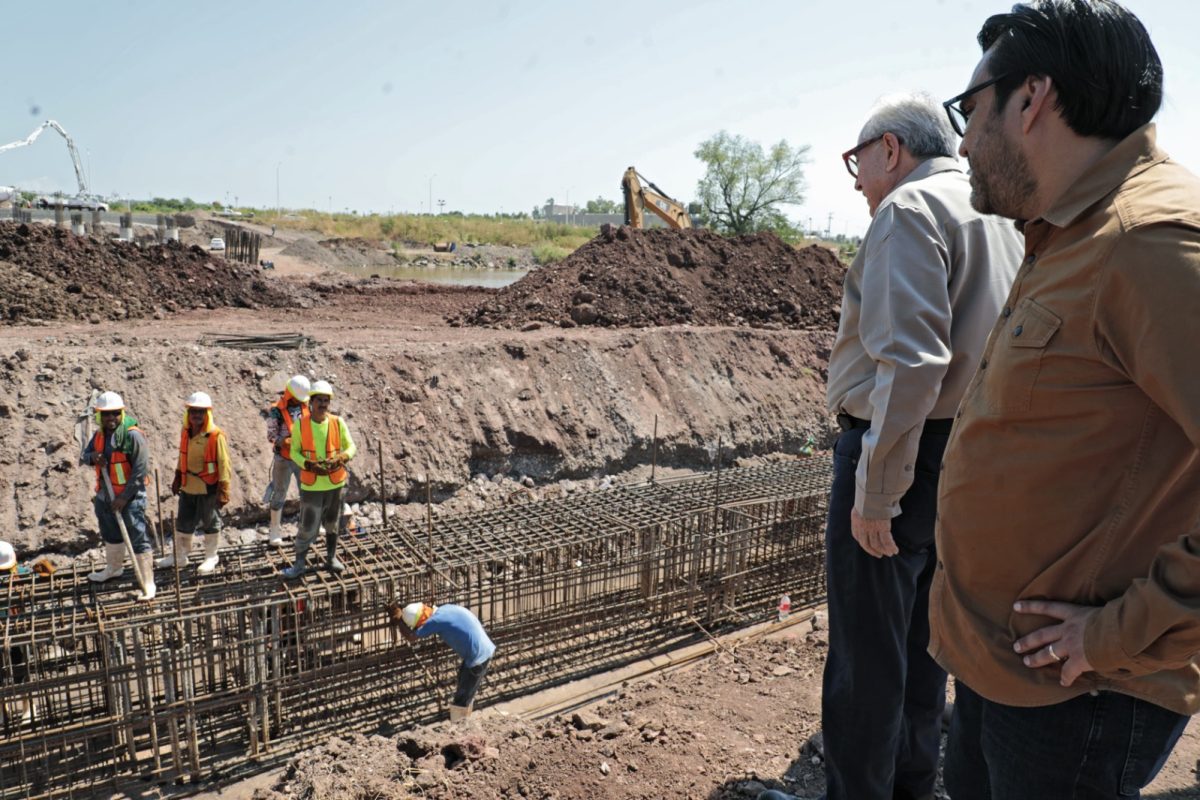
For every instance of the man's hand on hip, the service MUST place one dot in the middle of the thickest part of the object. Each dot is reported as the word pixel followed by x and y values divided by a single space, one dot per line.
pixel 873 535
pixel 1053 644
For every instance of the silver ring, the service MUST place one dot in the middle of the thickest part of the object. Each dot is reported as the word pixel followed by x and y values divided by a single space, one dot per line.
pixel 1053 654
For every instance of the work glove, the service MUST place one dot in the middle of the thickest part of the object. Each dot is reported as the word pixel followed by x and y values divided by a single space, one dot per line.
pixel 176 483
pixel 223 495
pixel 315 467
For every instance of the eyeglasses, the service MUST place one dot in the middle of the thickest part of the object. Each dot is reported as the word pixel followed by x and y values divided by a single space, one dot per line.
pixel 960 117
pixel 850 157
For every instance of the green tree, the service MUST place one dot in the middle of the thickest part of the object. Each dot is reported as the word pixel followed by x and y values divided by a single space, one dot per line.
pixel 743 186
pixel 602 206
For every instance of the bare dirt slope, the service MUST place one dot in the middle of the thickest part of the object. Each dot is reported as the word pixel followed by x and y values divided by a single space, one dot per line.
pixel 446 403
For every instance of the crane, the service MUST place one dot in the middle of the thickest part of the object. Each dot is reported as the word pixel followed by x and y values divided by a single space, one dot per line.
pixel 31 138
pixel 636 197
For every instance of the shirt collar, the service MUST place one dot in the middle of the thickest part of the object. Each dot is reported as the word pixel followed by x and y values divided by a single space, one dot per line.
pixel 1133 155
pixel 931 166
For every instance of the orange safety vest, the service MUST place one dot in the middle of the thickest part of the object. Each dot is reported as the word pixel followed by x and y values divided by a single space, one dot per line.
pixel 283 445
pixel 118 467
pixel 333 446
pixel 208 473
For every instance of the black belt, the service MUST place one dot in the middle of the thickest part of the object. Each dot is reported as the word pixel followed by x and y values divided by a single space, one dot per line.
pixel 849 423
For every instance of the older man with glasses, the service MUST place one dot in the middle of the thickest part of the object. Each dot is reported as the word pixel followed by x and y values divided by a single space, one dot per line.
pixel 925 288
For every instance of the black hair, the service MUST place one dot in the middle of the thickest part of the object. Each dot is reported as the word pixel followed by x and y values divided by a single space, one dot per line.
pixel 1097 53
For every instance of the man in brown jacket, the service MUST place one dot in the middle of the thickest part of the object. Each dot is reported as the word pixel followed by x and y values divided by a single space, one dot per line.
pixel 1066 601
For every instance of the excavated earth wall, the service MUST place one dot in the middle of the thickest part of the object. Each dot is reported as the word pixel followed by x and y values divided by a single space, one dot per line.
pixel 547 404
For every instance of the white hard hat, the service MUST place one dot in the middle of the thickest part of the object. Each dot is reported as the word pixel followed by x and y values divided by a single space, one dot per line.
pixel 412 613
pixel 8 556
pixel 109 401
pixel 198 400
pixel 299 387
pixel 321 387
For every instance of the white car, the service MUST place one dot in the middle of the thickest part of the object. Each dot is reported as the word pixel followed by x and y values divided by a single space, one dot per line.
pixel 86 204
pixel 217 243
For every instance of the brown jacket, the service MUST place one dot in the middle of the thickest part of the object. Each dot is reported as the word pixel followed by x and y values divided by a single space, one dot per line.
pixel 1073 471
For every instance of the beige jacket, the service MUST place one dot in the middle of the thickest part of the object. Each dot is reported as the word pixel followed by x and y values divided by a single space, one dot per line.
pixel 920 298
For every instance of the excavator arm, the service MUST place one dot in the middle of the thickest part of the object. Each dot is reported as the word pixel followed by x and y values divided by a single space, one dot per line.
pixel 31 138
pixel 657 202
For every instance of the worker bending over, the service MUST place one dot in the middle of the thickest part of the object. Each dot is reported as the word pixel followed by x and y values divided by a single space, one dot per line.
pixel 458 628
pixel 321 447
pixel 201 482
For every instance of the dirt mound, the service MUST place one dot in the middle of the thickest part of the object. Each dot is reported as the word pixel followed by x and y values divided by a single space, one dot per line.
pixel 353 252
pixel 50 274
pixel 636 278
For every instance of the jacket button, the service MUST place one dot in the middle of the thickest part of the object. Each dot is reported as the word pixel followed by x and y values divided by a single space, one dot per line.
pixel 983 364
pixel 1029 259
pixel 1007 312
pixel 1017 330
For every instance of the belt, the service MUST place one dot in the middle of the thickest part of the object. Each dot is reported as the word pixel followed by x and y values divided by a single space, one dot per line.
pixel 849 423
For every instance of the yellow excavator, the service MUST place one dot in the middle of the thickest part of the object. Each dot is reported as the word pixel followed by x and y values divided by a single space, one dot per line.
pixel 653 199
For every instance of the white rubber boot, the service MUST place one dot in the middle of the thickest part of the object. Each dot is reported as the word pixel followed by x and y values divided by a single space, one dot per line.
pixel 179 552
pixel 145 562
pixel 211 542
pixel 114 558
pixel 275 537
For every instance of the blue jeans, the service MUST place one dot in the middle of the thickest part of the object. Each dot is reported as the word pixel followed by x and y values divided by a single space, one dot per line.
pixel 883 695
pixel 134 515
pixel 1094 747
pixel 469 679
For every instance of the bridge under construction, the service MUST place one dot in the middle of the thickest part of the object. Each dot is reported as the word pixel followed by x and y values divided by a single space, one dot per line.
pixel 229 674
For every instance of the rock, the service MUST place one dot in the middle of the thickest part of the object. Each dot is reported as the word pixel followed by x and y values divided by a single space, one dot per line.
pixel 605 768
pixel 779 672
pixel 584 735
pixel 751 788
pixel 613 731
pixel 584 314
pixel 649 734
pixel 532 325
pixel 426 779
pixel 816 744
pixel 527 482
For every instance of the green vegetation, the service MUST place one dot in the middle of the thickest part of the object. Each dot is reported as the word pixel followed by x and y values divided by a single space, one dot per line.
pixel 164 205
pixel 515 231
pixel 547 253
pixel 743 187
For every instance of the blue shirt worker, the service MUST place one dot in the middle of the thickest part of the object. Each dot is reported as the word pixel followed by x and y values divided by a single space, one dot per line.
pixel 120 450
pixel 460 629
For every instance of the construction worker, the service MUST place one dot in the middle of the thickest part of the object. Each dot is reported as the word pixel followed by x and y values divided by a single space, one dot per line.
pixel 280 418
pixel 13 670
pixel 321 446
pixel 201 482
pixel 458 628
pixel 119 450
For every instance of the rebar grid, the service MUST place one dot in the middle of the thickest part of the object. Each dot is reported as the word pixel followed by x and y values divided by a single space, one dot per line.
pixel 241 668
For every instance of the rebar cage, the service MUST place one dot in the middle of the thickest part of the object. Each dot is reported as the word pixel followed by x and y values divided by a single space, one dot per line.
pixel 229 673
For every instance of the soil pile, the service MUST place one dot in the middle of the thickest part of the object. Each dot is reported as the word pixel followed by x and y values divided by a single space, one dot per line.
pixel 50 274
pixel 635 278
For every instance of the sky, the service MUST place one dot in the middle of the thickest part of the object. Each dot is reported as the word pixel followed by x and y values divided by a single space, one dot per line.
pixel 489 106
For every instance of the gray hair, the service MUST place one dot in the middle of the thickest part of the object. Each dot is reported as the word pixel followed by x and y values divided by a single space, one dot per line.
pixel 917 120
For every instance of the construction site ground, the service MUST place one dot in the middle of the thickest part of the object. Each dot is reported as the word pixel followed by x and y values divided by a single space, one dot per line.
pixel 477 416
pixel 741 718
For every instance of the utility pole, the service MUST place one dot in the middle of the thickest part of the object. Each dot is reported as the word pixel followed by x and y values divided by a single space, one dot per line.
pixel 829 225
pixel 441 206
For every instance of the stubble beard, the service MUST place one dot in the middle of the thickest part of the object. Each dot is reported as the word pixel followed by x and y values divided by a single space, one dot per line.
pixel 1001 180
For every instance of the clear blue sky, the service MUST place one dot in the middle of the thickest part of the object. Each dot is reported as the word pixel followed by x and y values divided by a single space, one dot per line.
pixel 357 105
